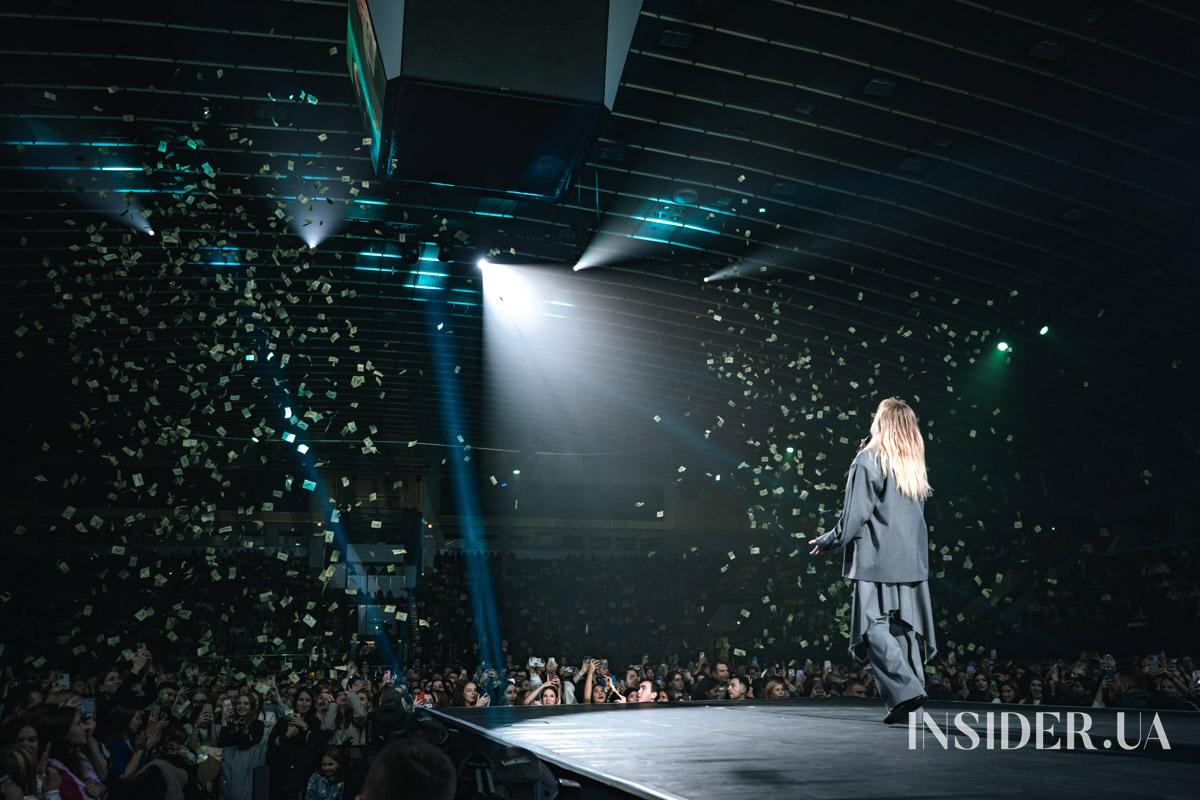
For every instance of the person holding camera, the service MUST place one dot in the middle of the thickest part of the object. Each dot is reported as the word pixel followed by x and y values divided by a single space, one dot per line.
pixel 294 747
pixel 886 543
pixel 346 718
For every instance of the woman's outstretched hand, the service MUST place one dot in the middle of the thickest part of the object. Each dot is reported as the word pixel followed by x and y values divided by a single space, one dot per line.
pixel 816 551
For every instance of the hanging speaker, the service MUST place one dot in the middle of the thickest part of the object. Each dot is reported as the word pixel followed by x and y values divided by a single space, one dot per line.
pixel 496 97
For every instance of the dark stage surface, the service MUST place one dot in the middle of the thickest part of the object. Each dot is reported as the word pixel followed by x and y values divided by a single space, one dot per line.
pixel 835 748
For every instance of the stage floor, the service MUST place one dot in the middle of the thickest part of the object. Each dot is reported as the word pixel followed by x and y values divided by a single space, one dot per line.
pixel 837 748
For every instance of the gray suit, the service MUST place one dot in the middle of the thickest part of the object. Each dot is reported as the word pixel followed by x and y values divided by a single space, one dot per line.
pixel 886 546
pixel 883 532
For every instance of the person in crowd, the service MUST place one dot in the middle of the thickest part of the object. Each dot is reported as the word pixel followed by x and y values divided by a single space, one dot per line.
pixel 26 775
pixel 738 688
pixel 544 695
pixel 854 688
pixel 468 695
pixel 21 699
pixel 346 719
pixel 885 494
pixel 20 730
pixel 412 769
pixel 676 683
pixel 594 689
pixel 134 749
pixel 326 783
pixel 645 691
pixel 294 748
pixel 97 753
pixel 166 776
pixel 1122 690
pixel 1034 693
pixel 243 748
pixel 440 697
pixel 206 731
pixel 935 687
pixel 511 694
pixel 1008 693
pixel 710 686
pixel 775 689
pixel 324 700
pixel 979 690
pixel 67 737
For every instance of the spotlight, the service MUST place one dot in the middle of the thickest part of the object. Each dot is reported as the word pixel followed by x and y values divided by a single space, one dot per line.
pixel 791 450
pixel 481 263
pixel 1045 329
pixel 708 278
pixel 150 232
pixel 1002 347
pixel 516 472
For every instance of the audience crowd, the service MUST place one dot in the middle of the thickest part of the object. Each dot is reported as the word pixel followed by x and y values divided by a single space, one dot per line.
pixel 186 674
pixel 142 729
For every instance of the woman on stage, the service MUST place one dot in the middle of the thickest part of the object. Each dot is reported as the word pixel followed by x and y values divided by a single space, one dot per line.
pixel 887 556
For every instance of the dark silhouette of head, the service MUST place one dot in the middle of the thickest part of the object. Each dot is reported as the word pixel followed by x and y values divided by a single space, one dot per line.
pixel 410 769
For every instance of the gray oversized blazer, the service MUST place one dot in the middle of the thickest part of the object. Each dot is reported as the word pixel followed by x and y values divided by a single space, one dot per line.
pixel 883 532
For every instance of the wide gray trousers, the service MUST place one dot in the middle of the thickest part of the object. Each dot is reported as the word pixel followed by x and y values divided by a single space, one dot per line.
pixel 895 661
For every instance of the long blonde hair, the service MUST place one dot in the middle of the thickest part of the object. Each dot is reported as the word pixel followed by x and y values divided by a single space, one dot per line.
pixel 900 448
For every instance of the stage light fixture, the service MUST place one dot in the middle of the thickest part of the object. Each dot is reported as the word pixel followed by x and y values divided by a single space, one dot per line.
pixel 1002 347
pixel 1045 329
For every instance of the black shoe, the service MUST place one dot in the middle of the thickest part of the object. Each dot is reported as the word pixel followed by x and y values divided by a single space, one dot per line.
pixel 901 711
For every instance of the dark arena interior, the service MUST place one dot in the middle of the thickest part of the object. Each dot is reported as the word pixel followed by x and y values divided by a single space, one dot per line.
pixel 600 399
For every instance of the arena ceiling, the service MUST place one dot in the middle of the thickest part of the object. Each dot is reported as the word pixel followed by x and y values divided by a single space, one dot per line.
pixel 887 191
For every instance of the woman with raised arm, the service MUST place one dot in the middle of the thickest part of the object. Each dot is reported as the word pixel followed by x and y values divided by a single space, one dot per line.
pixel 886 543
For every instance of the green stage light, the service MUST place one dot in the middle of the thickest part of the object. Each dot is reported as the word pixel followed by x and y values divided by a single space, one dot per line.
pixel 1002 347
pixel 1045 329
